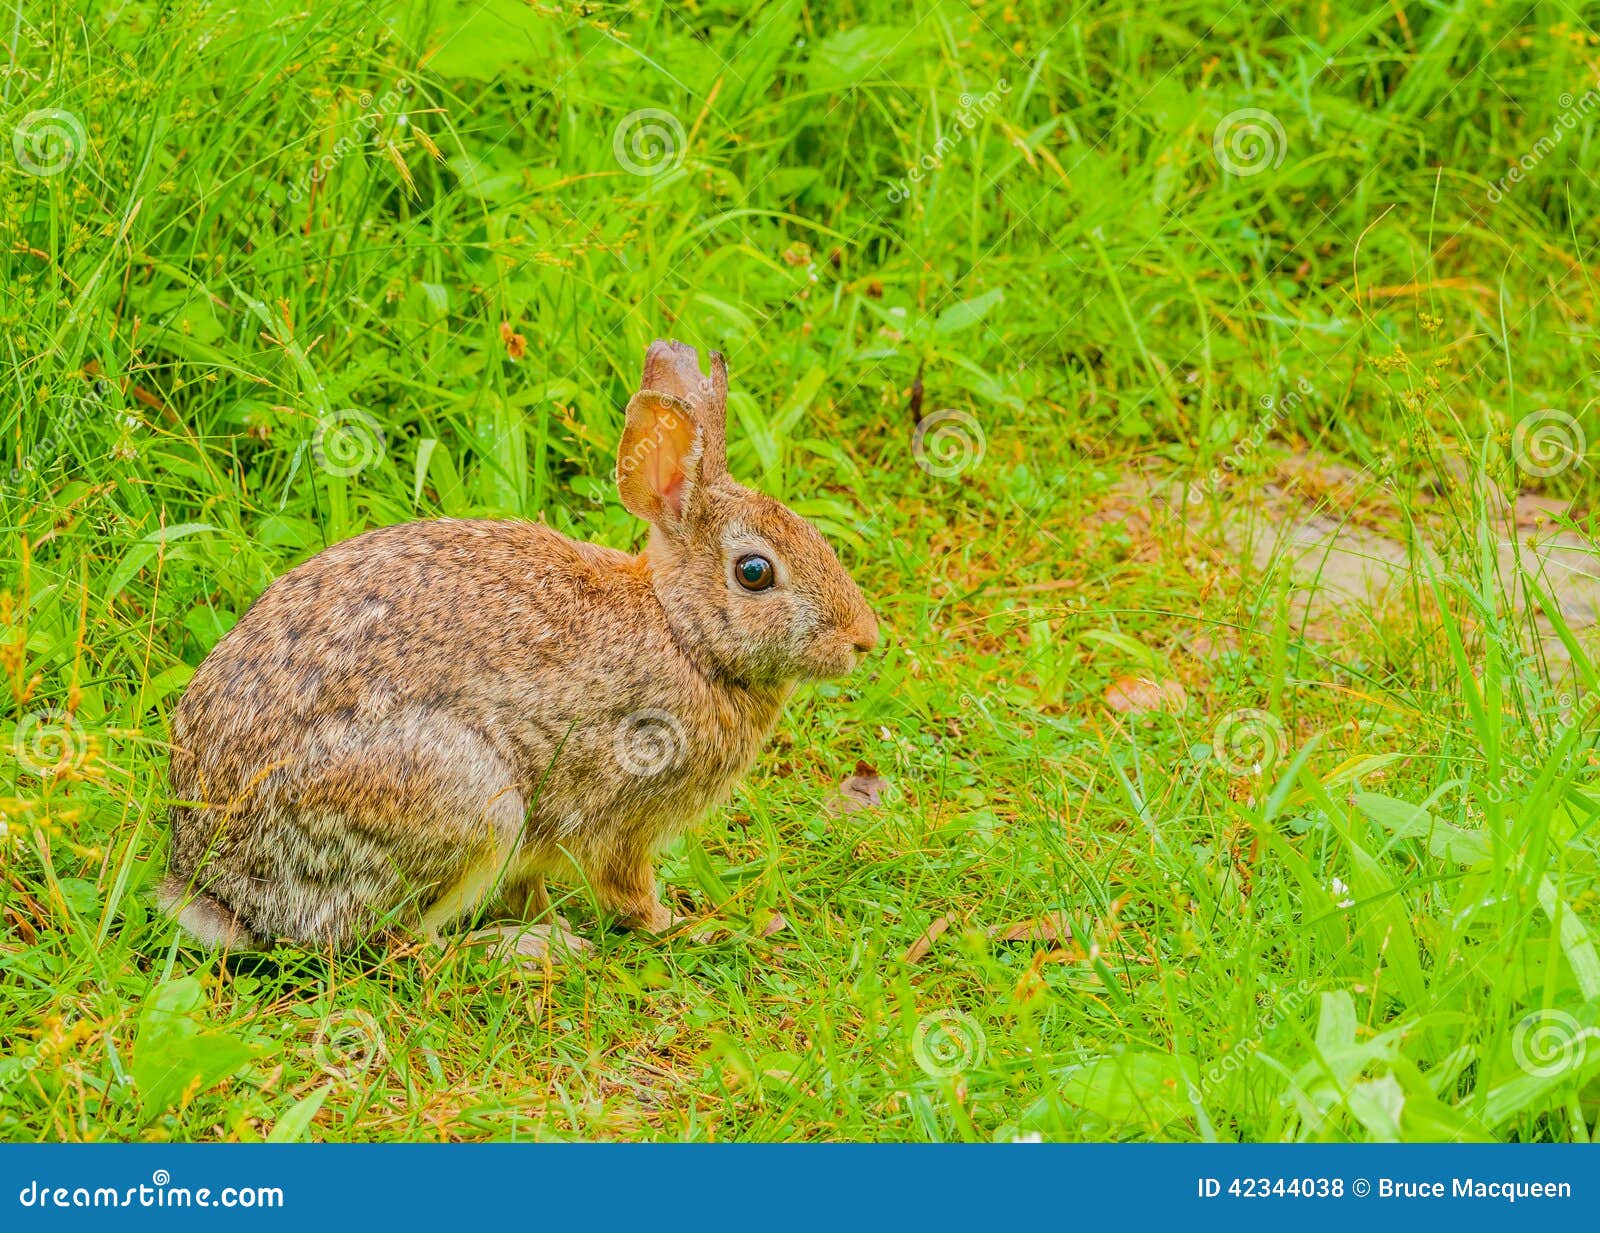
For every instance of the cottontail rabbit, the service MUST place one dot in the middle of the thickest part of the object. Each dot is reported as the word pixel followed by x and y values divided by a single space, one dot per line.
pixel 425 720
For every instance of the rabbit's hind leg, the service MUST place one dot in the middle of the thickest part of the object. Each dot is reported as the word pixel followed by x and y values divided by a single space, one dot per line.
pixel 479 880
pixel 204 918
pixel 496 878
pixel 536 935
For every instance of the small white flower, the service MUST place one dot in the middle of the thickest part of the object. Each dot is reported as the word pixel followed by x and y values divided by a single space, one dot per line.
pixel 1341 893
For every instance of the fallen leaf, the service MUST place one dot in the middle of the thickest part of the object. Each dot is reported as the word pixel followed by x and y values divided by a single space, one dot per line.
pixel 919 949
pixel 1051 927
pixel 1134 695
pixel 862 790
pixel 774 923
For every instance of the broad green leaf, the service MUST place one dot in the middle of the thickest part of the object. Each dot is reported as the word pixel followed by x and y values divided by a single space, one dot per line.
pixel 143 552
pixel 848 57
pixel 482 41
pixel 1576 943
pixel 1150 1089
pixel 174 1055
pixel 1377 1104
pixel 295 1124
pixel 967 313
pixel 1406 821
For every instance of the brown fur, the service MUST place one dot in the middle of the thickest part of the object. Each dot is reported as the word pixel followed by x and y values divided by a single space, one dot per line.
pixel 423 721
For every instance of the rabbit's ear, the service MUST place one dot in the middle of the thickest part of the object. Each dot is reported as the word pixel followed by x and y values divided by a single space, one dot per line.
pixel 659 460
pixel 713 415
pixel 672 367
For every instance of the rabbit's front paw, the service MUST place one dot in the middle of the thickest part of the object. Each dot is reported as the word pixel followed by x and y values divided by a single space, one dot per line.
pixel 532 946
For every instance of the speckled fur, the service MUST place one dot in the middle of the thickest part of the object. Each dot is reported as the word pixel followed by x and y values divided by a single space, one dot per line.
pixel 429 716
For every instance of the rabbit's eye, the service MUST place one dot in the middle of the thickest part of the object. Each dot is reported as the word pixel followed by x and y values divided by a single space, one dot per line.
pixel 754 572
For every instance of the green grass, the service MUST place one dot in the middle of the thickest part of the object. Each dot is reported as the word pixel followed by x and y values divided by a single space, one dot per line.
pixel 1384 931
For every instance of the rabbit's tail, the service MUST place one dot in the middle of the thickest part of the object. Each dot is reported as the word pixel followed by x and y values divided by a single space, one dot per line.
pixel 205 918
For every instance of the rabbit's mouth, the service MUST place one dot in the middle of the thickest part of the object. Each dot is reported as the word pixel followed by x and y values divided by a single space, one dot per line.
pixel 837 660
